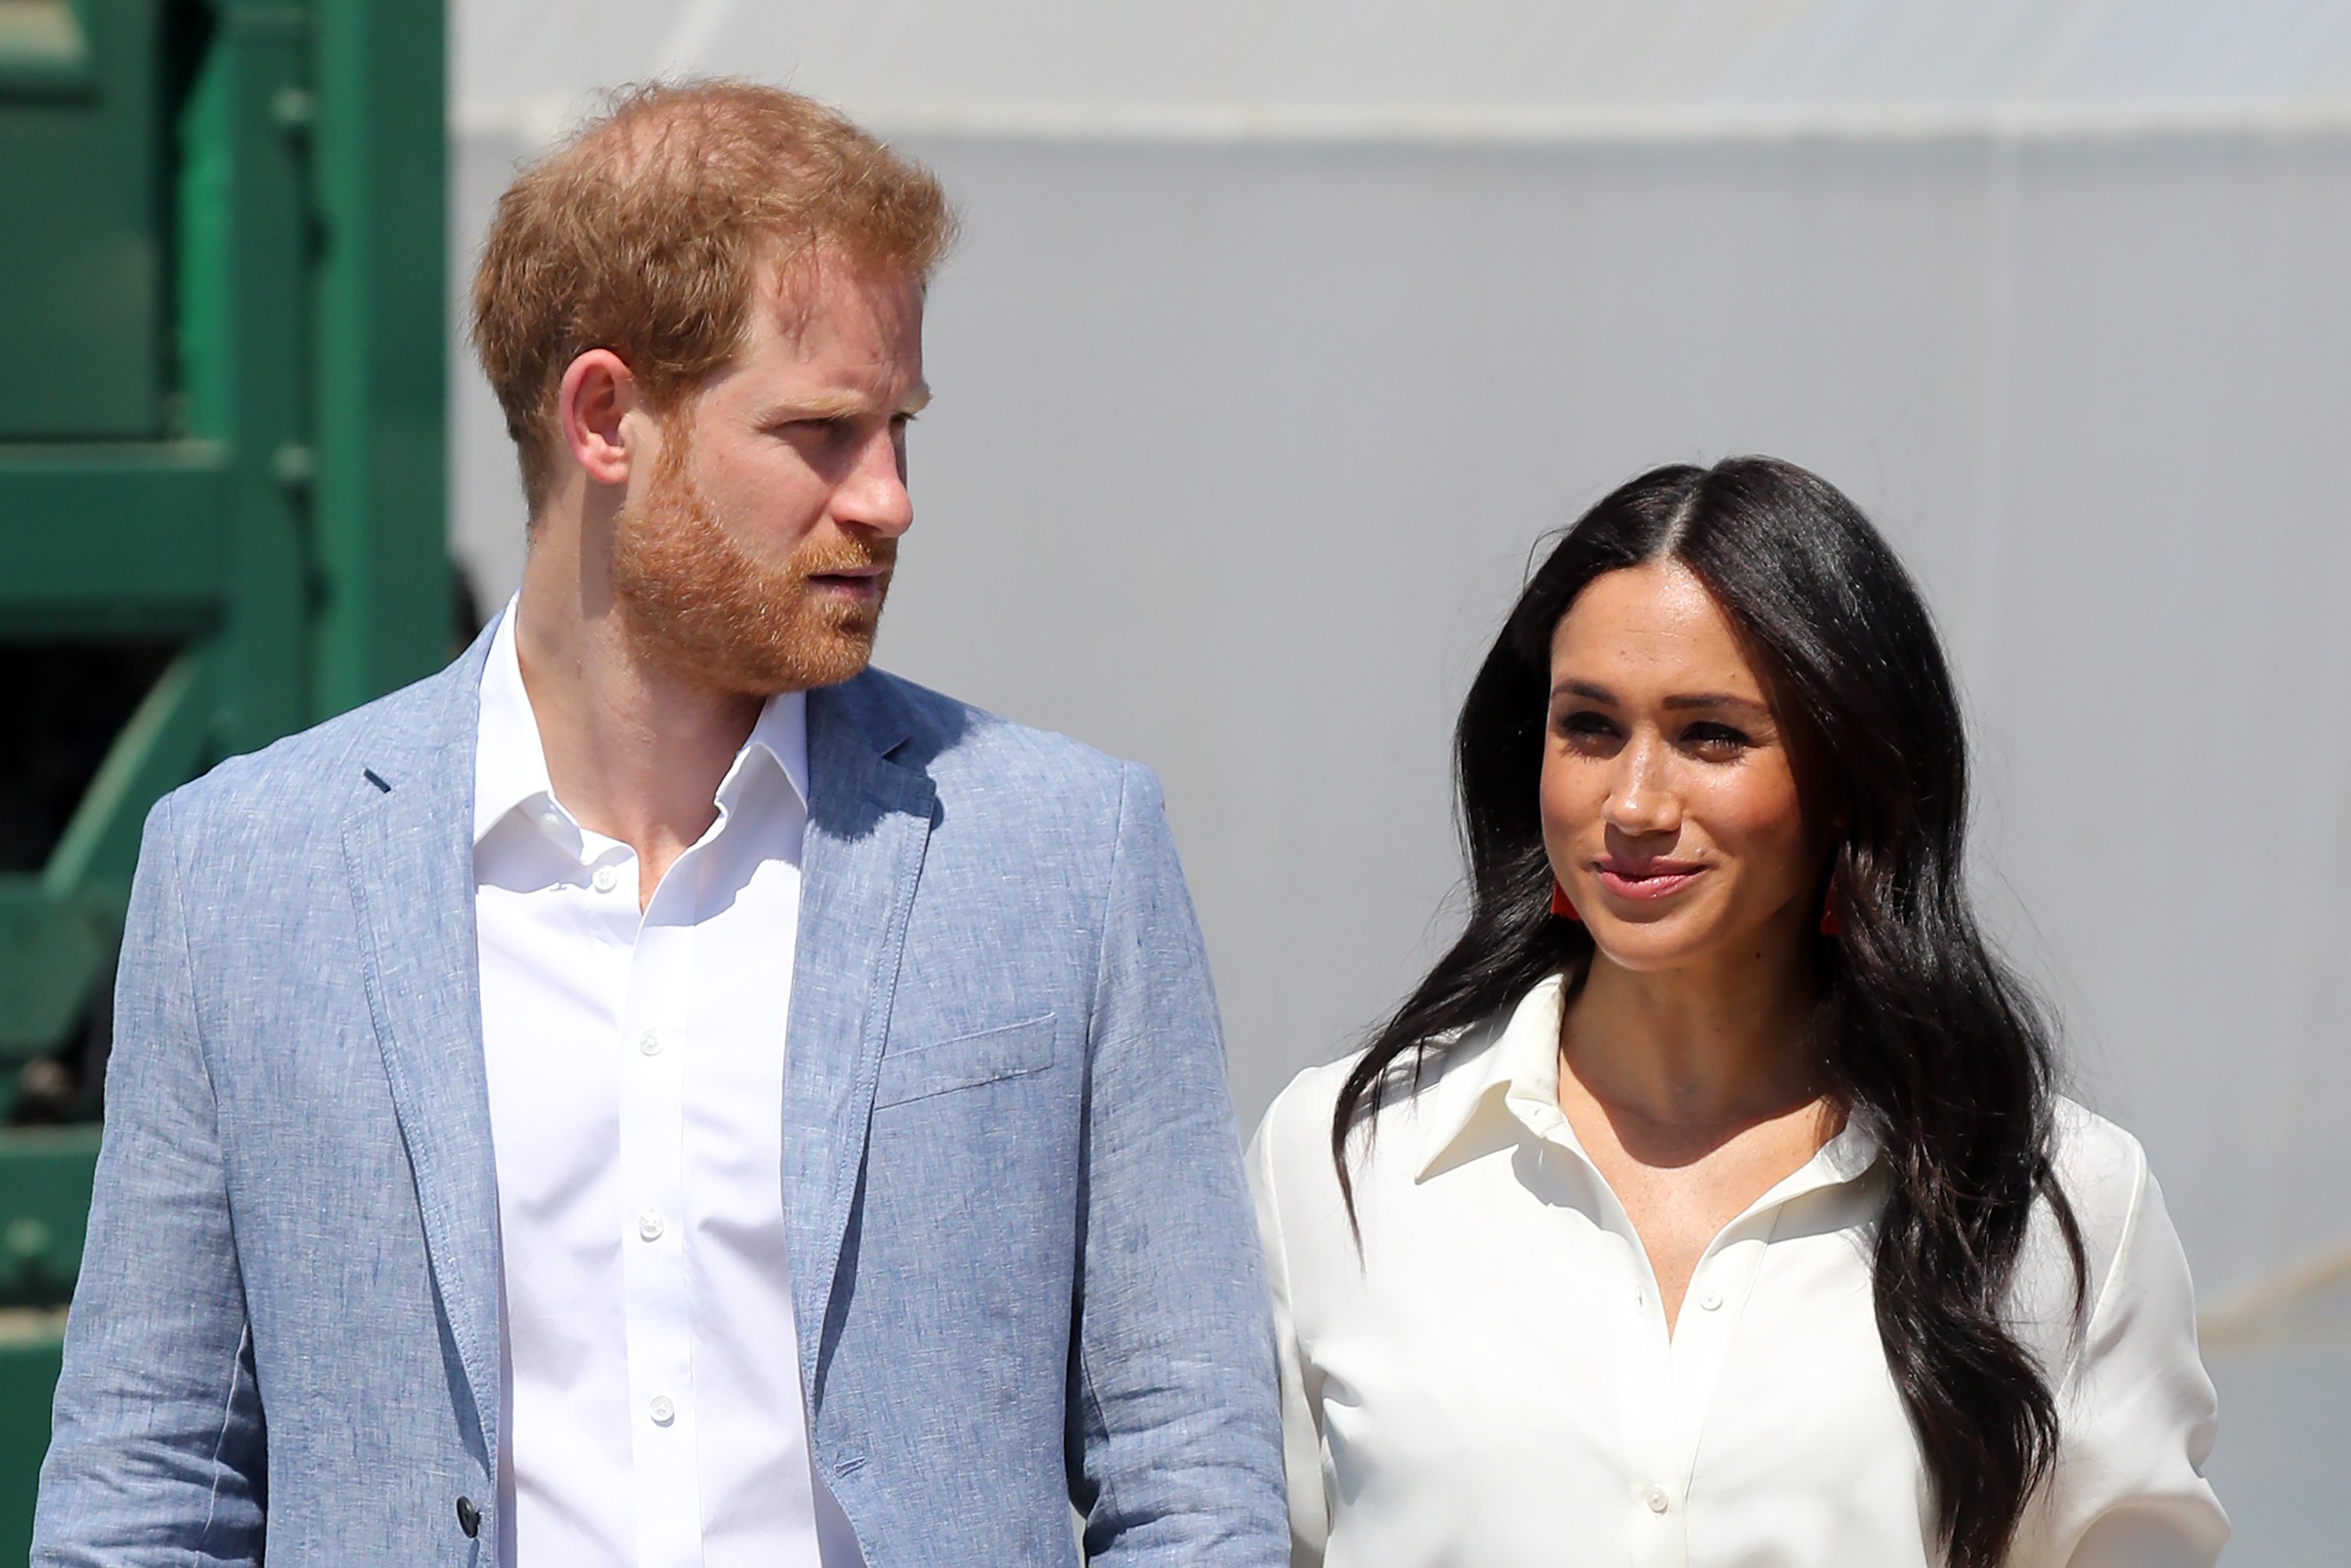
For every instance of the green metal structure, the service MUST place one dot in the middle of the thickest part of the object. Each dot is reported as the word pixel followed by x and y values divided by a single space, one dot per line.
pixel 222 326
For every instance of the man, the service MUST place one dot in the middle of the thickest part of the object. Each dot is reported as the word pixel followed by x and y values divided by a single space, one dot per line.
pixel 659 1092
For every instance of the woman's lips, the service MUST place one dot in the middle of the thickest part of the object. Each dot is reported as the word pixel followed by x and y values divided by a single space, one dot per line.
pixel 1660 880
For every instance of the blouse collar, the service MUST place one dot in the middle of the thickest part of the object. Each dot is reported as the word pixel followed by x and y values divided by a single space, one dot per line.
pixel 1503 1082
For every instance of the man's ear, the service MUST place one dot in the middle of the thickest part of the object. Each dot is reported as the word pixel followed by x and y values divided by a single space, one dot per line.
pixel 598 393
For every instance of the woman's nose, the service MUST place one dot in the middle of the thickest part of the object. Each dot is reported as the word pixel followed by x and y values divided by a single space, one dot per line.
pixel 1642 801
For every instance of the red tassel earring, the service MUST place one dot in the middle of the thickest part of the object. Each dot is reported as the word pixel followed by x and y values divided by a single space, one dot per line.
pixel 1559 906
pixel 1828 913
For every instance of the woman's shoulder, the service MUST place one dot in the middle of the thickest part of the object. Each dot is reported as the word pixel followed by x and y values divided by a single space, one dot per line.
pixel 1302 1111
pixel 2102 1170
pixel 1310 1092
pixel 1292 1148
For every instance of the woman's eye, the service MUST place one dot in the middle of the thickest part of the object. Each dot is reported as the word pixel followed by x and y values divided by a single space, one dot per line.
pixel 1714 740
pixel 1583 726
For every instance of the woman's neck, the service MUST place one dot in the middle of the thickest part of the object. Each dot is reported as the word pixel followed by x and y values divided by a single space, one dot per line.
pixel 1718 1046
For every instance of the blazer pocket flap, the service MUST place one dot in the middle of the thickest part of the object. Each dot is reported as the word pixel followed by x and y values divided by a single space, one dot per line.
pixel 1009 1051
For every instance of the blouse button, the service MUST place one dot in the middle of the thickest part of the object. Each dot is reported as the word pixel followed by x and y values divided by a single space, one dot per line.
pixel 605 878
pixel 661 1410
pixel 1657 1499
pixel 1711 1300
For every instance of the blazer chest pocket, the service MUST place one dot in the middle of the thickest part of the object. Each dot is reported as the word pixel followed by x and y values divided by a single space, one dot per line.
pixel 1009 1051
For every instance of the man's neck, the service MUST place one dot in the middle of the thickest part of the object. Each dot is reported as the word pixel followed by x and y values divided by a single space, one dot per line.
pixel 632 753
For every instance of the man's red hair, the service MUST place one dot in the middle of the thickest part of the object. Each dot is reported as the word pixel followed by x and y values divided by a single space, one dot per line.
pixel 647 232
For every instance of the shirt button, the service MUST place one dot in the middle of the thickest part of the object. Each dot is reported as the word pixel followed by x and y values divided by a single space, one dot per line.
pixel 649 1044
pixel 661 1410
pixel 605 878
pixel 649 1224
pixel 1711 1300
pixel 1657 1499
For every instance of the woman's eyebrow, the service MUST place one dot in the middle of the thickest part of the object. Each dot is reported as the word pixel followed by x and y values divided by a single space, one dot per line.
pixel 1597 694
pixel 1713 699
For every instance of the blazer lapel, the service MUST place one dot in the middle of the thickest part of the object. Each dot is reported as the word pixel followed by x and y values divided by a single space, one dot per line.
pixel 408 847
pixel 869 824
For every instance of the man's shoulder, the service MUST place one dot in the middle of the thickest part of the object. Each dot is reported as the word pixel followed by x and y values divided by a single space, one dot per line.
pixel 319 773
pixel 967 750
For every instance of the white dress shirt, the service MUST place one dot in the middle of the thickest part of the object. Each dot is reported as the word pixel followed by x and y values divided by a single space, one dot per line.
pixel 1491 1380
pixel 653 1412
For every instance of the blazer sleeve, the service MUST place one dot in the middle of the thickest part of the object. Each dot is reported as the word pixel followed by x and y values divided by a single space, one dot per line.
pixel 156 1452
pixel 1174 1434
pixel 2138 1414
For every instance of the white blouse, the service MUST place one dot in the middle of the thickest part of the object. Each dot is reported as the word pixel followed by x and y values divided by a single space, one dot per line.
pixel 1490 1381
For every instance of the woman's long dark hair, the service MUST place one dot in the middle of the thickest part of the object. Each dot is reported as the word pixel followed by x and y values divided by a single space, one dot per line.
pixel 1929 1041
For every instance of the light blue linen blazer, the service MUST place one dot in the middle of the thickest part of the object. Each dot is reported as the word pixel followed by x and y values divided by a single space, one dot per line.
pixel 1022 1262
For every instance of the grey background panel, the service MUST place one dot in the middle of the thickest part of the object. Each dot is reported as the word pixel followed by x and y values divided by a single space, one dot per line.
pixel 1242 443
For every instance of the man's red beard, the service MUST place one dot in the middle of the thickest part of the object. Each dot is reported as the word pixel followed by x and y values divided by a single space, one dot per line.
pixel 696 606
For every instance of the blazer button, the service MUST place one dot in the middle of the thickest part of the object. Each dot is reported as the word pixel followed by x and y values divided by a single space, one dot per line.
pixel 469 1518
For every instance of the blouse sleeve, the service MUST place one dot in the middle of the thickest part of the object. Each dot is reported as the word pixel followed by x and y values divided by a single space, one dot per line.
pixel 2138 1414
pixel 1301 1440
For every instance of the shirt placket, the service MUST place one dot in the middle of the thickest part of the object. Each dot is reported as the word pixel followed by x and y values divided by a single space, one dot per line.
pixel 1655 1439
pixel 1674 1408
pixel 655 1043
pixel 1656 1471
pixel 1700 1346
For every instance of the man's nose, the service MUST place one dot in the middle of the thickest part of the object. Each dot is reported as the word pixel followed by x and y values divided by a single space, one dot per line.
pixel 873 494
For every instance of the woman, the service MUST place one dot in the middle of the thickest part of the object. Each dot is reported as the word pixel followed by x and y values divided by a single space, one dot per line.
pixel 1709 1203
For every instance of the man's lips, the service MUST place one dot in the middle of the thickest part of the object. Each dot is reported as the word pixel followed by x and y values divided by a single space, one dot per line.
pixel 862 580
pixel 1646 879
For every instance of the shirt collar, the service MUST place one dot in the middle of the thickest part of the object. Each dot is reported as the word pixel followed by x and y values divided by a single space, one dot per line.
pixel 511 763
pixel 778 740
pixel 1516 1069
pixel 1514 1077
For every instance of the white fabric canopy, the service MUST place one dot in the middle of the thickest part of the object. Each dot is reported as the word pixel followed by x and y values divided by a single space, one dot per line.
pixel 1469 70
